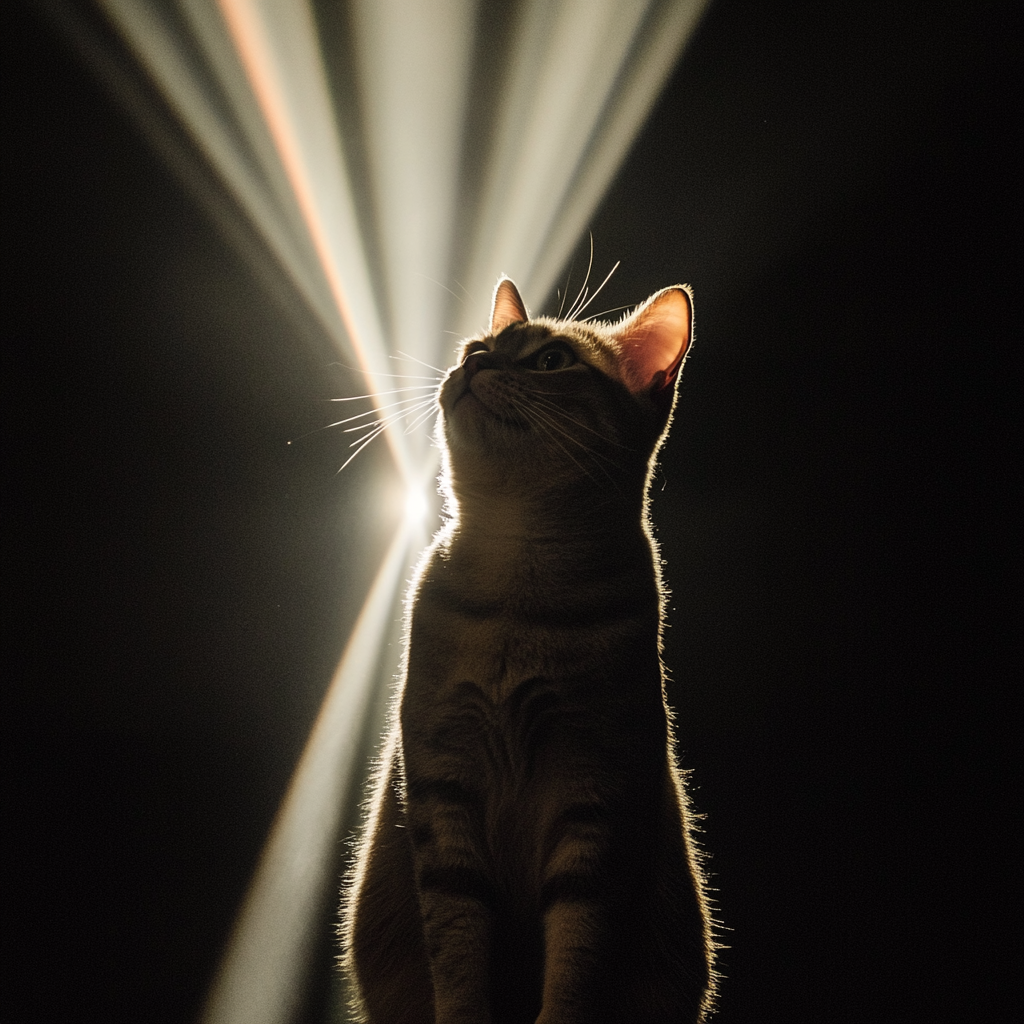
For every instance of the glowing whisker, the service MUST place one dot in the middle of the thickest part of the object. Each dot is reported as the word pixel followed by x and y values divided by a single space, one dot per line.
pixel 393 418
pixel 568 278
pixel 420 419
pixel 604 312
pixel 376 429
pixel 377 373
pixel 598 292
pixel 444 286
pixel 359 449
pixel 377 394
pixel 402 355
pixel 583 287
pixel 407 404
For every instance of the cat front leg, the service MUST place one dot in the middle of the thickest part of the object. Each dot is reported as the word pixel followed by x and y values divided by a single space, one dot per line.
pixel 577 898
pixel 572 931
pixel 455 896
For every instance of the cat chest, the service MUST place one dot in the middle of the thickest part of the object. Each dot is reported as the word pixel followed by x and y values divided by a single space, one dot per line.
pixel 498 652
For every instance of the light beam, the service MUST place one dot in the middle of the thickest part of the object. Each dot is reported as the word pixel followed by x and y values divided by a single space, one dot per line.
pixel 279 50
pixel 260 978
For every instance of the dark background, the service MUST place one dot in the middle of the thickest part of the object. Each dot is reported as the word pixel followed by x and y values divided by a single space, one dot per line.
pixel 837 507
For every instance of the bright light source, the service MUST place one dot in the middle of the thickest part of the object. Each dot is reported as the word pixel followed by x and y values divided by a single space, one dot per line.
pixel 415 507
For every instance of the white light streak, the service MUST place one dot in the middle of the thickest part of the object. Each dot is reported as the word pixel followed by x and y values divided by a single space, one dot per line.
pixel 413 61
pixel 656 47
pixel 278 47
pixel 235 142
pixel 260 979
pixel 275 48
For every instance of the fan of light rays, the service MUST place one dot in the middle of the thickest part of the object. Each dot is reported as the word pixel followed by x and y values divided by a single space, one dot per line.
pixel 387 151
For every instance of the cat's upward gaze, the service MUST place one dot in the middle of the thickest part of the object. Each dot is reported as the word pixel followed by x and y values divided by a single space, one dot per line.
pixel 528 856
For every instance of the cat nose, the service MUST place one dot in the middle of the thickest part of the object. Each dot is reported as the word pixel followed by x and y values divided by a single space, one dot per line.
pixel 477 361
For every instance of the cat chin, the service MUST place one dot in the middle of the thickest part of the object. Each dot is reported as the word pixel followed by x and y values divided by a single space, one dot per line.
pixel 475 419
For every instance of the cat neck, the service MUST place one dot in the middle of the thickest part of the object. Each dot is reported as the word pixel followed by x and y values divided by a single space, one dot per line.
pixel 510 555
pixel 555 532
pixel 545 513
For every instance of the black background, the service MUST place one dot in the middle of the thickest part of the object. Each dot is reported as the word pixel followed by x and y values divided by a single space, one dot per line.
pixel 836 506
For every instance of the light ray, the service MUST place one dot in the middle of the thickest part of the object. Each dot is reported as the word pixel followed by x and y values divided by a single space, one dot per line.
pixel 292 93
pixel 166 54
pixel 261 976
pixel 413 62
pixel 657 46
pixel 564 128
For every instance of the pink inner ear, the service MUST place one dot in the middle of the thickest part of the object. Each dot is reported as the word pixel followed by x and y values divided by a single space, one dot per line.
pixel 508 307
pixel 655 338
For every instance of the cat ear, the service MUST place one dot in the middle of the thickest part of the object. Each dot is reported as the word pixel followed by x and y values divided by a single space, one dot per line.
pixel 508 306
pixel 654 340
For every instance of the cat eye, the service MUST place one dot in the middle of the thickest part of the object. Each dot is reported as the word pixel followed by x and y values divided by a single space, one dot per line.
pixel 554 357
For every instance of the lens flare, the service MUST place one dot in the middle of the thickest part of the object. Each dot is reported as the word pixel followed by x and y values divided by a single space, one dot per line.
pixel 416 506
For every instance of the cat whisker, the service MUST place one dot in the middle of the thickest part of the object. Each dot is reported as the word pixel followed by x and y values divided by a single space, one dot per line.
pixel 377 409
pixel 553 407
pixel 359 449
pixel 600 286
pixel 413 359
pixel 444 286
pixel 376 373
pixel 394 417
pixel 544 420
pixel 546 428
pixel 420 419
pixel 604 312
pixel 597 457
pixel 396 391
pixel 376 431
pixel 377 428
pixel 411 376
pixel 369 412
pixel 582 292
pixel 568 278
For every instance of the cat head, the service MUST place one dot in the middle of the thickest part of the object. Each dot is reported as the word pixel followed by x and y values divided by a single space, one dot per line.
pixel 559 403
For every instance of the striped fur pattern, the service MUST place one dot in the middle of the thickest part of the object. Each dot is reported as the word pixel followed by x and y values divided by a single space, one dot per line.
pixel 528 855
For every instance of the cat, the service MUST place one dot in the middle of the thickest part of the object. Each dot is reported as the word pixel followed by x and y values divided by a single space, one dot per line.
pixel 528 855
